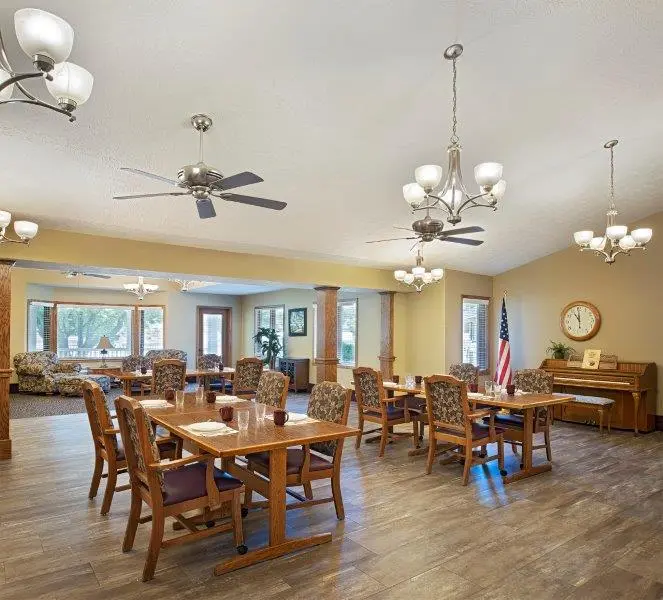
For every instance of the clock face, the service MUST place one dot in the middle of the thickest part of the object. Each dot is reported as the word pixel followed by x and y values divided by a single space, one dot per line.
pixel 580 321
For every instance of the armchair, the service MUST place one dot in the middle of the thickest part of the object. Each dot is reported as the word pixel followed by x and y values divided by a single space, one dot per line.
pixel 38 372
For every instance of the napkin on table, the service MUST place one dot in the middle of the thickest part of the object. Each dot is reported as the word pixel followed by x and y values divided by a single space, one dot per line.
pixel 225 431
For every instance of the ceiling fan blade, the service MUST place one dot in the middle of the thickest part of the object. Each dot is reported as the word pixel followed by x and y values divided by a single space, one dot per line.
pixel 150 195
pixel 392 240
pixel 205 209
pixel 473 229
pixel 97 275
pixel 404 228
pixel 466 241
pixel 235 181
pixel 262 202
pixel 150 175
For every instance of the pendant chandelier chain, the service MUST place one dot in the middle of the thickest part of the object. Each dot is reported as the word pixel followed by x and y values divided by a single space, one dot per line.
pixel 200 145
pixel 612 178
pixel 454 121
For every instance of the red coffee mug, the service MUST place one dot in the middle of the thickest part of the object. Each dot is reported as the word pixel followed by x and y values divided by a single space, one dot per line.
pixel 169 394
pixel 396 378
pixel 210 397
pixel 510 389
pixel 280 417
pixel 473 387
pixel 227 413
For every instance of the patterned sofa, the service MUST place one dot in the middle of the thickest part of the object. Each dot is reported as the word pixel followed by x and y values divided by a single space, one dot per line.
pixel 43 373
pixel 153 355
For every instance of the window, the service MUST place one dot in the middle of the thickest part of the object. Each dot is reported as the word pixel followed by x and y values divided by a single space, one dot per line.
pixel 346 332
pixel 214 331
pixel 272 317
pixel 74 330
pixel 475 331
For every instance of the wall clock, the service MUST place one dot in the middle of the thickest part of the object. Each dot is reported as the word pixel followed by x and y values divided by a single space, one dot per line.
pixel 580 320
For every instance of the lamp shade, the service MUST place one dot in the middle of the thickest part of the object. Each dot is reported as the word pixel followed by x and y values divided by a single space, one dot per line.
pixel 5 218
pixel 71 83
pixel 616 232
pixel 26 230
pixel 427 277
pixel 437 274
pixel 453 197
pixel 413 193
pixel 642 235
pixel 583 237
pixel 409 278
pixel 627 242
pixel 6 93
pixel 418 271
pixel 428 176
pixel 41 33
pixel 597 243
pixel 400 275
pixel 104 343
pixel 498 190
pixel 488 174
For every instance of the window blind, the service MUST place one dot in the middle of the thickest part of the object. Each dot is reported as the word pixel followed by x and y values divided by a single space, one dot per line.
pixel 150 328
pixel 475 332
pixel 272 317
pixel 39 325
pixel 346 332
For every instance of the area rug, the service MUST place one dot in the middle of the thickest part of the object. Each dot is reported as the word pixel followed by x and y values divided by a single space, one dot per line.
pixel 24 406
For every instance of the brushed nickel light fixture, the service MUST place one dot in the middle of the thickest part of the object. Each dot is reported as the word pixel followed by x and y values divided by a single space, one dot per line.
pixel 616 239
pixel 141 289
pixel 453 197
pixel 47 40
pixel 418 277
pixel 25 230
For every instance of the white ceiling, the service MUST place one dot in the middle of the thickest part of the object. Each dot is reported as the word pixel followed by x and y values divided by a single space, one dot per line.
pixel 334 104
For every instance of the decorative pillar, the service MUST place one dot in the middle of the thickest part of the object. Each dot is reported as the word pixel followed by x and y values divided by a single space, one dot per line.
pixel 327 322
pixel 5 371
pixel 387 357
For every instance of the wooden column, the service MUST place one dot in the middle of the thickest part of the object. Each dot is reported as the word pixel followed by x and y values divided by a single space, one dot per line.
pixel 327 359
pixel 5 371
pixel 387 357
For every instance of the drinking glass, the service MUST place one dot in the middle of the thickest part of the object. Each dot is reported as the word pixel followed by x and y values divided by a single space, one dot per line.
pixel 489 388
pixel 200 393
pixel 260 411
pixel 497 390
pixel 179 397
pixel 242 419
pixel 409 382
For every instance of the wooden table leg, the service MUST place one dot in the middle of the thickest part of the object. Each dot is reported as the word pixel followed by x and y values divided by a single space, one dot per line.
pixel 636 411
pixel 127 386
pixel 528 438
pixel 279 544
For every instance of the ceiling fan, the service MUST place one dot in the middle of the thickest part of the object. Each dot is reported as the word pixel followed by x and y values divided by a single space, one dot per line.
pixel 429 230
pixel 74 274
pixel 204 182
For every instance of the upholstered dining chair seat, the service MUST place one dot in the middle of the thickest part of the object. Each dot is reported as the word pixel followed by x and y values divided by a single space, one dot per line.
pixel 508 421
pixel 479 431
pixel 392 412
pixel 294 461
pixel 414 404
pixel 188 483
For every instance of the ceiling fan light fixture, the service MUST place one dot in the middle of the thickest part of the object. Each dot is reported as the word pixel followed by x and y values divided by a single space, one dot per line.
pixel 41 33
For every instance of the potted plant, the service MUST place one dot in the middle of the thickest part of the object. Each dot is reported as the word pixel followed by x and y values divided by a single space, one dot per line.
pixel 270 346
pixel 559 350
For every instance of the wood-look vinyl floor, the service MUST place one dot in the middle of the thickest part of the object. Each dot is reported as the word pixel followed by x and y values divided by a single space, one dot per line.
pixel 592 528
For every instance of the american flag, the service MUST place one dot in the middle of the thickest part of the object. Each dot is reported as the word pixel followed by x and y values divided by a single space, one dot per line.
pixel 503 373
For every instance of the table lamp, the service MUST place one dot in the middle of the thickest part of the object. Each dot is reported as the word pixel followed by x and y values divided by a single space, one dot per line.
pixel 104 345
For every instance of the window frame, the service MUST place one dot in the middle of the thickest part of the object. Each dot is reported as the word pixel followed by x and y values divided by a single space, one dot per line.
pixel 135 325
pixel 314 312
pixel 270 307
pixel 487 301
pixel 227 313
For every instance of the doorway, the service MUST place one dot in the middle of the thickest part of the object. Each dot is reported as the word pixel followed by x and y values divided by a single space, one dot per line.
pixel 214 332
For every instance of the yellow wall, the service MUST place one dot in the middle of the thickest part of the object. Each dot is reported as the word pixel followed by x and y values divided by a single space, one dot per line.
pixel 180 326
pixel 626 293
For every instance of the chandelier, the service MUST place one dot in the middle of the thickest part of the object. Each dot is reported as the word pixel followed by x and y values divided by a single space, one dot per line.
pixel 192 284
pixel 25 230
pixel 419 277
pixel 47 40
pixel 141 289
pixel 453 196
pixel 617 239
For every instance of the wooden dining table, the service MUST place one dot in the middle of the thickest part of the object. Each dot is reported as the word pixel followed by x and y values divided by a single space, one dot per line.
pixel 527 403
pixel 261 436
pixel 128 378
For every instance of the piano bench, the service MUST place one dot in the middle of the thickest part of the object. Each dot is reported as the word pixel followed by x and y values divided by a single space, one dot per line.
pixel 599 404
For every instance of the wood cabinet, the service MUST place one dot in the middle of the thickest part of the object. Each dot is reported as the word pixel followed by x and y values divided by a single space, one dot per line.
pixel 297 370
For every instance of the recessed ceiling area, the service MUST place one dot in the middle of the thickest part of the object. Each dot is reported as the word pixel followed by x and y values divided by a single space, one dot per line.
pixel 334 105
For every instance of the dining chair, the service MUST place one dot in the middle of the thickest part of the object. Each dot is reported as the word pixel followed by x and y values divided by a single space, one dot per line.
pixel 247 375
pixel 166 373
pixel 321 460
pixel 208 362
pixel 173 488
pixel 374 406
pixel 452 421
pixel 532 381
pixel 108 448
pixel 466 372
pixel 272 389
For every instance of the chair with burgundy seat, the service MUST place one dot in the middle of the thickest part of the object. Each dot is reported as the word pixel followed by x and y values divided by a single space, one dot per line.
pixel 320 460
pixel 173 488
pixel 246 377
pixel 107 446
pixel 374 406
pixel 452 422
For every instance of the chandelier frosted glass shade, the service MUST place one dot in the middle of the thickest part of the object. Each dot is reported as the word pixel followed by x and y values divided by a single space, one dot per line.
pixel 25 230
pixel 71 84
pixel 428 176
pixel 414 194
pixel 488 174
pixel 40 33
pixel 642 235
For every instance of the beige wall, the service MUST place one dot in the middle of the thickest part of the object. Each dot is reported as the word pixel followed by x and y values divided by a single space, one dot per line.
pixel 627 294
pixel 34 284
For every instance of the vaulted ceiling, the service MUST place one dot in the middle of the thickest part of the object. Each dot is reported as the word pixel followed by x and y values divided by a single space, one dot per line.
pixel 334 104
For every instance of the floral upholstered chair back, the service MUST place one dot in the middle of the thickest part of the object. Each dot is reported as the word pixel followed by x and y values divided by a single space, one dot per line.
pixel 247 375
pixel 168 373
pixel 133 362
pixel 272 389
pixel 329 401
pixel 446 399
pixel 534 381
pixel 98 415
pixel 154 355
pixel 466 372
pixel 208 361
pixel 368 388
pixel 139 441
pixel 35 363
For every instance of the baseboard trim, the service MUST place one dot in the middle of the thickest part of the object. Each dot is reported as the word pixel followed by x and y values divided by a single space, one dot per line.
pixel 659 423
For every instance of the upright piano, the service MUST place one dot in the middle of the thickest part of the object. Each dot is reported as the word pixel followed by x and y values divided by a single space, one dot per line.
pixel 632 385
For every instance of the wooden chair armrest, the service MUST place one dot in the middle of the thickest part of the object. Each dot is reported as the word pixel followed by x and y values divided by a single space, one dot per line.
pixel 484 412
pixel 166 440
pixel 181 462
pixel 111 431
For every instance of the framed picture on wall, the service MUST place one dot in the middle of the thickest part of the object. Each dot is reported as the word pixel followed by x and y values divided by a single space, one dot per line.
pixel 296 322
